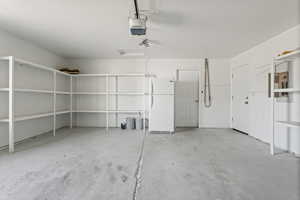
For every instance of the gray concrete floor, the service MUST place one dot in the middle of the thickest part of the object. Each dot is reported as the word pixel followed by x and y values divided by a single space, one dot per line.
pixel 89 164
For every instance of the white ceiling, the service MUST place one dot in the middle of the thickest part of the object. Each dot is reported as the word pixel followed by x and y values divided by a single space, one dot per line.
pixel 184 28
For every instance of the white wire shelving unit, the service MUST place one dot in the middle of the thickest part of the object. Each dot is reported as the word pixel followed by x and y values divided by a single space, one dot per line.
pixel 116 93
pixel 12 118
pixel 289 124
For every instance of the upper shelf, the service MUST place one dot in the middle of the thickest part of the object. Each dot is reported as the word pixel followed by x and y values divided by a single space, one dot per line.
pixel 286 90
pixel 295 54
pixel 36 116
pixel 31 64
pixel 89 93
pixel 108 111
pixel 290 124
pixel 113 75
pixel 111 93
pixel 35 91
pixel 24 62
pixel 75 93
pixel 62 92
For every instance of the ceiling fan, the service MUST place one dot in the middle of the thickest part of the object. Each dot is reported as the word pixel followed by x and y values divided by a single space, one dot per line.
pixel 138 26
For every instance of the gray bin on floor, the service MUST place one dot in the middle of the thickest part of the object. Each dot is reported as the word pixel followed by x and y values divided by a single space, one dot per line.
pixel 130 121
pixel 140 123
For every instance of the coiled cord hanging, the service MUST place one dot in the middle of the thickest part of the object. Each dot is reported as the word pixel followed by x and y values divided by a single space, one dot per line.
pixel 207 89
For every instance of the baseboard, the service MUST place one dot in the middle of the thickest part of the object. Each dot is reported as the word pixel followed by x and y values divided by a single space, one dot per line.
pixel 32 137
pixel 244 133
pixel 280 149
pixel 217 127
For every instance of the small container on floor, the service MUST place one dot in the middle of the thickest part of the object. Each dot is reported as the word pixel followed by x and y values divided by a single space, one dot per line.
pixel 130 121
pixel 123 125
pixel 140 123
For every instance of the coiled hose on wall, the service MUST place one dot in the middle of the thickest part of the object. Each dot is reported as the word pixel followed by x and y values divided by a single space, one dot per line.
pixel 207 89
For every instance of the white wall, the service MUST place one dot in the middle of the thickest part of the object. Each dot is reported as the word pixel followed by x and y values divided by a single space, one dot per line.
pixel 260 58
pixel 26 77
pixel 217 116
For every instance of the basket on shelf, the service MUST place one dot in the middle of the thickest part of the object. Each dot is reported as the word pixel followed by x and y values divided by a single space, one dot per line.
pixel 69 70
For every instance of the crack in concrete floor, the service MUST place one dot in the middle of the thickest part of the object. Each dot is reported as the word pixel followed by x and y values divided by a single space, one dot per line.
pixel 138 173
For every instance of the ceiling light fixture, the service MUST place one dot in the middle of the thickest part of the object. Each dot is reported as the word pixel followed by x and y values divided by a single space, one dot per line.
pixel 130 53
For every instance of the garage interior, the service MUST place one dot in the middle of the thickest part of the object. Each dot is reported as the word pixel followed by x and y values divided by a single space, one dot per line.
pixel 149 99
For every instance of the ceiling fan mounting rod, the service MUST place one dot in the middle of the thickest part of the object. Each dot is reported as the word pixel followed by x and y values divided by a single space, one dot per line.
pixel 136 9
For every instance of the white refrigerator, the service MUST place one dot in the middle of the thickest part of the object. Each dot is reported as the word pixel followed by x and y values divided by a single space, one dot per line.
pixel 162 98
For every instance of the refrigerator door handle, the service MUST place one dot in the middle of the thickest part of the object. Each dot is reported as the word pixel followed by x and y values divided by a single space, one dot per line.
pixel 152 87
pixel 152 101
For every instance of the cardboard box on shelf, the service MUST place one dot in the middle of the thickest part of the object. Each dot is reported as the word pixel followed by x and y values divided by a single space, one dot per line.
pixel 281 82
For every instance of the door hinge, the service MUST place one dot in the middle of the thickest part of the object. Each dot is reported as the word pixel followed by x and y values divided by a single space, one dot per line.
pixel 232 97
pixel 232 76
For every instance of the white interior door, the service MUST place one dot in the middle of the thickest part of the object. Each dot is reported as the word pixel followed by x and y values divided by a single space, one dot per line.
pixel 187 99
pixel 240 98
pixel 261 102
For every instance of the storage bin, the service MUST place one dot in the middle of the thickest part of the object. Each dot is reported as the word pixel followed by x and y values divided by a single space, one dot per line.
pixel 130 121
pixel 140 123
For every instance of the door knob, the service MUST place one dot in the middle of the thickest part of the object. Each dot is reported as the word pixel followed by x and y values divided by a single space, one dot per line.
pixel 197 101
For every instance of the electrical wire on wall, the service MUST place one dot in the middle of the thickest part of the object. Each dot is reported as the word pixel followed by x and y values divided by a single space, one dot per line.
pixel 207 87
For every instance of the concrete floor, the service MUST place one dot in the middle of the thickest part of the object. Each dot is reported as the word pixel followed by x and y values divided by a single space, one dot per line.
pixel 89 164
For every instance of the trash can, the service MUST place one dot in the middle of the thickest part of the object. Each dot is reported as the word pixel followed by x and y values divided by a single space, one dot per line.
pixel 130 121
pixel 140 123
pixel 123 125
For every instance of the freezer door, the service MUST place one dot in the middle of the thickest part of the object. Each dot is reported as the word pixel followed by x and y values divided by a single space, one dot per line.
pixel 162 113
pixel 162 86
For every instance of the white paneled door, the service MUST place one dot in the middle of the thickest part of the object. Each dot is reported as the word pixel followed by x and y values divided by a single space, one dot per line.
pixel 187 99
pixel 240 98
pixel 261 103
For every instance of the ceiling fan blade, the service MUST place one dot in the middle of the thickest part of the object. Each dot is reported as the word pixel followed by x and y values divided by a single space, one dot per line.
pixel 141 44
pixel 156 42
pixel 145 43
pixel 148 43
